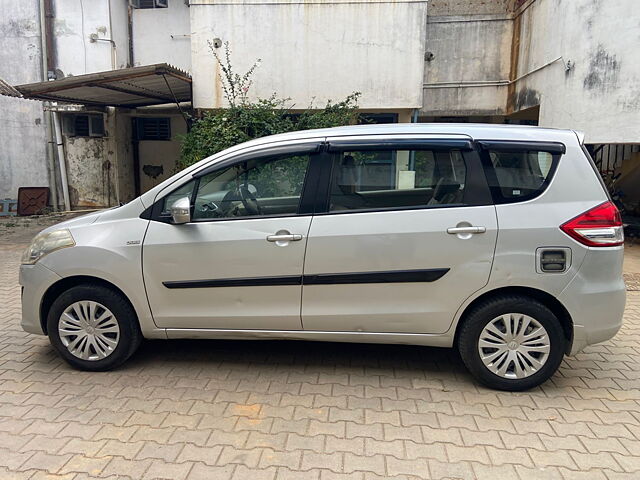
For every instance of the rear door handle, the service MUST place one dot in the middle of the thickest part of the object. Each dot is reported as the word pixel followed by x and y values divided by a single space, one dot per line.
pixel 289 237
pixel 457 230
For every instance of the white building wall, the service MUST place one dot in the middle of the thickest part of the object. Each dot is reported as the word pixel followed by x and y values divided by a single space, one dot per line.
pixel 162 35
pixel 23 139
pixel 600 95
pixel 158 157
pixel 485 42
pixel 75 21
pixel 314 51
pixel 119 21
pixel 474 50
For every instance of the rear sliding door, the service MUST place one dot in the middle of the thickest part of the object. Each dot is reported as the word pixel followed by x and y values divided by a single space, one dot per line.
pixel 406 233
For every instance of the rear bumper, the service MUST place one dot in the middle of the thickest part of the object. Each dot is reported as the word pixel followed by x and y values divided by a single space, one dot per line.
pixel 595 298
pixel 35 280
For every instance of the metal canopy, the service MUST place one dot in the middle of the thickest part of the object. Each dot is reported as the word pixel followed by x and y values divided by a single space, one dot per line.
pixel 128 87
pixel 8 90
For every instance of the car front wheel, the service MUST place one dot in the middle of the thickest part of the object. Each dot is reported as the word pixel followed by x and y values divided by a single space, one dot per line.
pixel 511 343
pixel 93 327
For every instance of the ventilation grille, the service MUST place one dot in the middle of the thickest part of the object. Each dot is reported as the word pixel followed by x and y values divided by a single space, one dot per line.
pixel 152 128
pixel 553 260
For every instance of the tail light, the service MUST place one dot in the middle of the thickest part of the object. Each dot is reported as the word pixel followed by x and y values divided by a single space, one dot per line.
pixel 599 227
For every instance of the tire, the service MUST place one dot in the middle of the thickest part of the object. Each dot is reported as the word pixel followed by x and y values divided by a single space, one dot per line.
pixel 110 339
pixel 527 365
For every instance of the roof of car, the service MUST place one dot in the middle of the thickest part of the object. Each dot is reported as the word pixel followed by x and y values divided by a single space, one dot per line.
pixel 476 131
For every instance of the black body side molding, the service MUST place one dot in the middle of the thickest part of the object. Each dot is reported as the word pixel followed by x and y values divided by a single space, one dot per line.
pixel 394 276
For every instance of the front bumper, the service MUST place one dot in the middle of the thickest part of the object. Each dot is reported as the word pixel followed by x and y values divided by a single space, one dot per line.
pixel 35 281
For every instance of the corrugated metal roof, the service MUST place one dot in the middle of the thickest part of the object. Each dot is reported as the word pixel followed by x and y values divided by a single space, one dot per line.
pixel 128 87
pixel 8 90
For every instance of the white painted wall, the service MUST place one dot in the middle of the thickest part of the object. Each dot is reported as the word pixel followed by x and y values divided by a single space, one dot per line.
pixel 153 29
pixel 23 141
pixel 119 21
pixel 601 94
pixel 160 153
pixel 314 51
pixel 74 21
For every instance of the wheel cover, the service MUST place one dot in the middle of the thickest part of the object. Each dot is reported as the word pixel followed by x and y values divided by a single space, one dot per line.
pixel 89 330
pixel 514 346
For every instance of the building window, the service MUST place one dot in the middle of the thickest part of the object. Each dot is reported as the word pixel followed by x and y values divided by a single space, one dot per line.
pixel 152 128
pixel 149 3
pixel 83 125
pixel 377 118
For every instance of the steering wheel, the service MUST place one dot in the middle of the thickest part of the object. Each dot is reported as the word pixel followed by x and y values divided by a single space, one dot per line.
pixel 249 201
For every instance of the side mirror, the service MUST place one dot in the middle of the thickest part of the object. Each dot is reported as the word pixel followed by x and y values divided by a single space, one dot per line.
pixel 181 211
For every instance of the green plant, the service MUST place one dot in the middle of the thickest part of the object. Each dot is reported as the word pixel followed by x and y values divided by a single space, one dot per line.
pixel 244 120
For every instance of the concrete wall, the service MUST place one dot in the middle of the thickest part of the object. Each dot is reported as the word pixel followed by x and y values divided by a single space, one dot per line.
pixel 492 43
pixel 119 21
pixel 100 169
pixel 153 29
pixel 90 173
pixel 158 157
pixel 601 93
pixel 23 137
pixel 472 50
pixel 75 21
pixel 312 51
pixel 120 123
pixel 469 7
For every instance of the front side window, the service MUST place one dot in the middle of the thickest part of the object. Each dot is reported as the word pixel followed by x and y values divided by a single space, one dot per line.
pixel 519 175
pixel 364 180
pixel 256 187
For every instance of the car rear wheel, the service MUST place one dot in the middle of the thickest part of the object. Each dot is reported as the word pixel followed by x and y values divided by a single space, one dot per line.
pixel 511 343
pixel 93 327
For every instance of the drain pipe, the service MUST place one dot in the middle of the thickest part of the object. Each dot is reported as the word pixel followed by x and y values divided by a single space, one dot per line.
pixel 61 160
pixel 44 10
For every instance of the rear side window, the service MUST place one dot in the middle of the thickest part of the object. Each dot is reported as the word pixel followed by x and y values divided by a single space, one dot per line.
pixel 364 180
pixel 517 175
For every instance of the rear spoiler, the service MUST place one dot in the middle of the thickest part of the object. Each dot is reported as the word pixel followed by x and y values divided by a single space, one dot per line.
pixel 580 136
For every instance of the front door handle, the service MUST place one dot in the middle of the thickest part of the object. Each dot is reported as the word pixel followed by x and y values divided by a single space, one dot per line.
pixel 458 230
pixel 284 236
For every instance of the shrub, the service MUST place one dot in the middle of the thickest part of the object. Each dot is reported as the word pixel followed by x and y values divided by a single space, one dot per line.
pixel 244 120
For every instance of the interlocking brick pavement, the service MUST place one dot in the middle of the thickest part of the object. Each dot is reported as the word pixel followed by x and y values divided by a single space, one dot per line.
pixel 265 410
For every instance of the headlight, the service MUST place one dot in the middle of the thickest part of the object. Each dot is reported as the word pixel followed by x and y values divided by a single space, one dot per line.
pixel 45 243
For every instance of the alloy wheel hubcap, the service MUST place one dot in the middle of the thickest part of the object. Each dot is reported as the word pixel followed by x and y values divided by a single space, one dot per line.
pixel 514 346
pixel 88 330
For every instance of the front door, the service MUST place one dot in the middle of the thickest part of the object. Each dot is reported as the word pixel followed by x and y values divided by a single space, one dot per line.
pixel 408 234
pixel 238 263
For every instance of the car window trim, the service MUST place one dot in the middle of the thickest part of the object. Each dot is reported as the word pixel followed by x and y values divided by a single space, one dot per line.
pixel 556 149
pixel 399 209
pixel 312 149
pixel 476 187
pixel 299 148
pixel 338 145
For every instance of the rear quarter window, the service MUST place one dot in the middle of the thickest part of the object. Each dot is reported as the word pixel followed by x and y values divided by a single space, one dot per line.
pixel 516 175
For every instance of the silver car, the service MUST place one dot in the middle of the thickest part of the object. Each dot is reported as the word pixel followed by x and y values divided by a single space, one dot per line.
pixel 498 240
